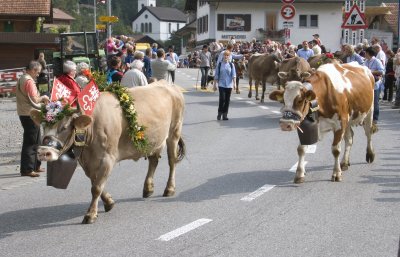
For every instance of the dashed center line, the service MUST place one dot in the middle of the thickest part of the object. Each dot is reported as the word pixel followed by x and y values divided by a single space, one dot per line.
pixel 182 230
pixel 276 112
pixel 264 107
pixel 250 102
pixel 257 193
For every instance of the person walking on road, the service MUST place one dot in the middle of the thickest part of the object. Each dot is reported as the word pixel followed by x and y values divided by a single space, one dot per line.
pixel 205 64
pixel 225 78
pixel 26 88
pixel 161 67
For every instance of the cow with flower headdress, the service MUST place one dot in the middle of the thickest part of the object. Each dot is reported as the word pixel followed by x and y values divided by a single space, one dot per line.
pixel 125 124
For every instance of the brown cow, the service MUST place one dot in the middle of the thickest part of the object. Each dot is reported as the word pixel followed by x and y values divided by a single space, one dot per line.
pixel 320 59
pixel 295 68
pixel 159 108
pixel 263 68
pixel 345 96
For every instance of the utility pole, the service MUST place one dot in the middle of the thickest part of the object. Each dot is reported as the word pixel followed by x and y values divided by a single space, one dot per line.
pixel 94 14
pixel 109 14
pixel 398 25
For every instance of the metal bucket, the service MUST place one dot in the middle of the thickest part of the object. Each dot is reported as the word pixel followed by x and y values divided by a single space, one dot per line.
pixel 59 173
pixel 309 126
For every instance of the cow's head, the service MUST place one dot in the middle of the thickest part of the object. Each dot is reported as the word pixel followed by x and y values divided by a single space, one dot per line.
pixel 58 136
pixel 298 70
pixel 296 98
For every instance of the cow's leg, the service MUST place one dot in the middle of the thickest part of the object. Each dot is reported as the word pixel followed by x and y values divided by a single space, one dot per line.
pixel 264 85
pixel 256 84
pixel 98 175
pixel 172 150
pixel 300 171
pixel 250 85
pixel 336 148
pixel 348 139
pixel 107 201
pixel 148 187
pixel 369 130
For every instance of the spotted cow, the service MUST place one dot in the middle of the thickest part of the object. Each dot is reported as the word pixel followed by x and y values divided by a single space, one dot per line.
pixel 345 97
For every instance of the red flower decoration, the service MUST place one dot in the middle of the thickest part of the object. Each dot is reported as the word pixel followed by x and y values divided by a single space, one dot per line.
pixel 87 73
pixel 329 55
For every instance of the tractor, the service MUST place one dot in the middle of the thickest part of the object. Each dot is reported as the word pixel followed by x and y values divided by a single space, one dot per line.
pixel 79 47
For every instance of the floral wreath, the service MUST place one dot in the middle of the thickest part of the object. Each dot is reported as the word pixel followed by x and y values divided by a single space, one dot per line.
pixel 135 131
pixel 53 112
pixel 325 58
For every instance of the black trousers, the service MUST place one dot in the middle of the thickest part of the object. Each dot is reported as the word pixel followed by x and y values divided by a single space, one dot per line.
pixel 224 99
pixel 31 137
pixel 388 90
pixel 172 76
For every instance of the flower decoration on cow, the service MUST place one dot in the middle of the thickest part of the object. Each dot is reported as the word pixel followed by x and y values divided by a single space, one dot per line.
pixel 55 111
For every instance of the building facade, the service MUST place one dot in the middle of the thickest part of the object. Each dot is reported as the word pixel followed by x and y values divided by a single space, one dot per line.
pixel 245 20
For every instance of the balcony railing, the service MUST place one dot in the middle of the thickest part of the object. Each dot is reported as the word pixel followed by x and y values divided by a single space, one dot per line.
pixel 28 38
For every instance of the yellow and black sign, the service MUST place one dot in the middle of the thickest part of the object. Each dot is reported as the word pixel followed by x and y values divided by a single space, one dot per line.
pixel 111 19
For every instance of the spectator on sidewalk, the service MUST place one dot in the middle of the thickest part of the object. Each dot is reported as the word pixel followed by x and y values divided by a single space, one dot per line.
pixel 68 79
pixel 305 52
pixel 134 77
pixel 147 63
pixel 26 88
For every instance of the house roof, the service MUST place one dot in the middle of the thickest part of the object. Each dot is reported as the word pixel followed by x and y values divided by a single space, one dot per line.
pixel 163 14
pixel 392 18
pixel 61 15
pixel 26 7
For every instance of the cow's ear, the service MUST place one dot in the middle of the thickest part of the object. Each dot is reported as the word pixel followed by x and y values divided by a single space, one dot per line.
pixel 36 117
pixel 310 95
pixel 276 95
pixel 283 74
pixel 305 75
pixel 82 121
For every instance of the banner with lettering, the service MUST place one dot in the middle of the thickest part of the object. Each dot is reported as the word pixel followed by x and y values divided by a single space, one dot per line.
pixel 59 90
pixel 87 98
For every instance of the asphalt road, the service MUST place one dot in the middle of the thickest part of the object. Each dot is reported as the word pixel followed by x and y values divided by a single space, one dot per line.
pixel 234 195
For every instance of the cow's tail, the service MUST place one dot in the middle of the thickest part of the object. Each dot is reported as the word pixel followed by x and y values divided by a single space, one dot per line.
pixel 181 150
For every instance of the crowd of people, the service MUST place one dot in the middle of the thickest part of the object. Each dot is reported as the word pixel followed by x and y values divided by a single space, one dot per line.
pixel 133 68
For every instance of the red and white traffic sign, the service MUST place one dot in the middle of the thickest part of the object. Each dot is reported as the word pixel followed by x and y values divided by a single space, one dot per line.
pixel 288 1
pixel 354 19
pixel 288 11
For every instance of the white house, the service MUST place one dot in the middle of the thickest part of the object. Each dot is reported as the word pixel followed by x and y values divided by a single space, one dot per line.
pixel 245 20
pixel 157 22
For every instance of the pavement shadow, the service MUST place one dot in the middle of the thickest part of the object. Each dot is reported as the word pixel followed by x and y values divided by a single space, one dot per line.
pixel 234 183
pixel 39 218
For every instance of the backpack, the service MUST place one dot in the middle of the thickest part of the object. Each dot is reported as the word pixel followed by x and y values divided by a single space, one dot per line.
pixel 109 76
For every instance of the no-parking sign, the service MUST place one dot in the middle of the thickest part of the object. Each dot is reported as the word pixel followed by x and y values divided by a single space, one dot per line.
pixel 288 1
pixel 288 11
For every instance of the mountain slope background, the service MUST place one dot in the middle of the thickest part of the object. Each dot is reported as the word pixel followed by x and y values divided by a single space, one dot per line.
pixel 125 10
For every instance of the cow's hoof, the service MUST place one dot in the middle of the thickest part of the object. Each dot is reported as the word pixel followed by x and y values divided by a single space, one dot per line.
pixel 336 179
pixel 262 100
pixel 169 192
pixel 237 91
pixel 370 157
pixel 108 206
pixel 344 166
pixel 299 180
pixel 257 98
pixel 249 95
pixel 147 194
pixel 88 219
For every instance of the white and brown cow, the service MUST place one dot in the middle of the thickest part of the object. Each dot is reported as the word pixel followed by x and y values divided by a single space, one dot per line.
pixel 159 108
pixel 345 97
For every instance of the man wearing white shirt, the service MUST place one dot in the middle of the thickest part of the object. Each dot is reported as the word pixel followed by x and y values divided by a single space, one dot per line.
pixel 174 59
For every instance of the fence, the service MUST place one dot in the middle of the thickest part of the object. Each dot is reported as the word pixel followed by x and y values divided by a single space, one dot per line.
pixel 9 78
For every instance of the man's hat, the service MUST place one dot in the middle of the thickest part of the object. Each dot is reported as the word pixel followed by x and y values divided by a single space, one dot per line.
pixel 315 35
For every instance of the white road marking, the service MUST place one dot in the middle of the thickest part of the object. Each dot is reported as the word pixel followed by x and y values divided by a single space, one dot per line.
pixel 250 102
pixel 257 193
pixel 294 167
pixel 182 230
pixel 276 112
pixel 311 148
pixel 264 107
pixel 239 98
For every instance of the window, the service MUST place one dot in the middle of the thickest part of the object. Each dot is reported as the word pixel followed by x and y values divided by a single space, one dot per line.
pixel 146 27
pixel 202 24
pixel 146 16
pixel 141 27
pixel 308 21
pixel 177 26
pixel 169 27
pixel 150 27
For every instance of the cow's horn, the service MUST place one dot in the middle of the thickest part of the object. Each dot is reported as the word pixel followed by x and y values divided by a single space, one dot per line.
pixel 35 105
